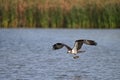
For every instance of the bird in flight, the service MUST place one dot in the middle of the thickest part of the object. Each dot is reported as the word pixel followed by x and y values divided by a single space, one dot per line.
pixel 77 46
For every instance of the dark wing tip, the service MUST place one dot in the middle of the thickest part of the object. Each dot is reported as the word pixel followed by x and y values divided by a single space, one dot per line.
pixel 92 42
pixel 95 43
pixel 57 46
pixel 54 47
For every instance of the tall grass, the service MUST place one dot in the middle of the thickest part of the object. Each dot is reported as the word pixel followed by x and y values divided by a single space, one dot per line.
pixel 60 14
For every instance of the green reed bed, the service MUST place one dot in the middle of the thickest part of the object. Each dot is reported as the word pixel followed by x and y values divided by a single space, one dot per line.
pixel 28 15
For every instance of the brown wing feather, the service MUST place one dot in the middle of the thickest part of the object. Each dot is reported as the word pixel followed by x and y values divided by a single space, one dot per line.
pixel 78 44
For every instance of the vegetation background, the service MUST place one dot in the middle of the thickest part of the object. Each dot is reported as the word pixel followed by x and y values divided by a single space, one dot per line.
pixel 59 13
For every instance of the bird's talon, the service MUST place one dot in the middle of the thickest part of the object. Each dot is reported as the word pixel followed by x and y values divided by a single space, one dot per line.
pixel 75 57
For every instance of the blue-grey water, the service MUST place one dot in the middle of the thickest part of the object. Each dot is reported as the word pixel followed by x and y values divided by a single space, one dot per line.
pixel 26 54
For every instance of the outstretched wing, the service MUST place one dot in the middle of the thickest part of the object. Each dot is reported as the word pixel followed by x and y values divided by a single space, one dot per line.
pixel 78 43
pixel 60 45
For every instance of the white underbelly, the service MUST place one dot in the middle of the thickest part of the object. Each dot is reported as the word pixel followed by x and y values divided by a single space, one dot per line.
pixel 74 51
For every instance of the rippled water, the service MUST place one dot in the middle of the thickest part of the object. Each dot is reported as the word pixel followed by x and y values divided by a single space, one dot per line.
pixel 26 54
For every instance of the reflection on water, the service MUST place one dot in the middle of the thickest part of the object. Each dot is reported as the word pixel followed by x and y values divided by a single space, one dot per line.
pixel 26 54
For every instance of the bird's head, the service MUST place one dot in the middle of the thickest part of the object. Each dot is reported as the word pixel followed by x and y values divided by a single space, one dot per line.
pixel 69 51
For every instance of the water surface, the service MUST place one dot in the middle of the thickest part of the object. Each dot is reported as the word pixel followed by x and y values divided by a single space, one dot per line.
pixel 26 54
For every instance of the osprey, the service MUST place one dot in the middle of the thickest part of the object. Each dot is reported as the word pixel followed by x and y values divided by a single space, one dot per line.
pixel 77 46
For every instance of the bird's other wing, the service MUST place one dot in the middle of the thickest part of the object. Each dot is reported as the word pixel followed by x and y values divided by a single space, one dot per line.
pixel 60 45
pixel 90 42
pixel 78 44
